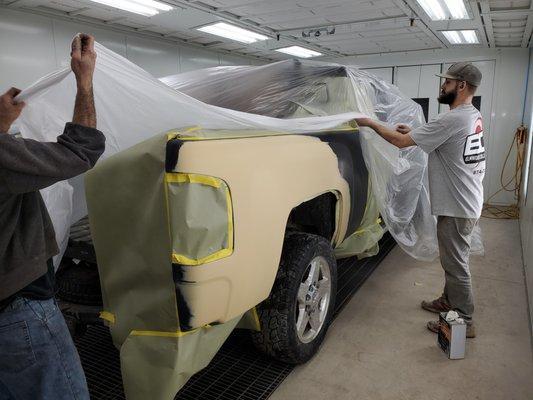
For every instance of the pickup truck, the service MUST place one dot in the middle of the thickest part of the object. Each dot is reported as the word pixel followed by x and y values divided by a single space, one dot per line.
pixel 200 231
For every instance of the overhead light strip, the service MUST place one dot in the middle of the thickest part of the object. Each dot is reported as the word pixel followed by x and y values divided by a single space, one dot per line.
pixel 299 52
pixel 457 9
pixel 470 36
pixel 461 37
pixel 148 8
pixel 232 32
pixel 440 10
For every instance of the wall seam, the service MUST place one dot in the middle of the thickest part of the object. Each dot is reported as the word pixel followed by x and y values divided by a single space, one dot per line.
pixel 52 22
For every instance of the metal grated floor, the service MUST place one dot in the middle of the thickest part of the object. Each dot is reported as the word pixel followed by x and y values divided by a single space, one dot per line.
pixel 238 371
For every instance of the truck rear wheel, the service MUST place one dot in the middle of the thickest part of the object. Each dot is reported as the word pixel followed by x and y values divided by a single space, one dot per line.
pixel 295 317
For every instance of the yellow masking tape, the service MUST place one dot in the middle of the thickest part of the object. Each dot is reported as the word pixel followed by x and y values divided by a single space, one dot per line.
pixel 360 231
pixel 107 316
pixel 256 318
pixel 184 260
pixel 175 334
pixel 230 220
pixel 173 134
pixel 178 177
pixel 182 133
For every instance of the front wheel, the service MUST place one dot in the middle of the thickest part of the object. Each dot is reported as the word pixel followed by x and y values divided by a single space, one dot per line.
pixel 295 317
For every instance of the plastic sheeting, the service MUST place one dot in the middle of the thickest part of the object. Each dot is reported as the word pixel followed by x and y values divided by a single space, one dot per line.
pixel 291 96
pixel 58 198
pixel 289 89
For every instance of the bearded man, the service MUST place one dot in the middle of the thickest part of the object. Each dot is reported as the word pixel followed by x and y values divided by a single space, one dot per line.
pixel 456 167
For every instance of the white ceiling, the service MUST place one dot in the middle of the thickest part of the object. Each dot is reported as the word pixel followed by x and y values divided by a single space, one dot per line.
pixel 361 26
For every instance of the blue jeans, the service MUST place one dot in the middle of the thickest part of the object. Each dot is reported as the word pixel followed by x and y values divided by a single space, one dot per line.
pixel 38 360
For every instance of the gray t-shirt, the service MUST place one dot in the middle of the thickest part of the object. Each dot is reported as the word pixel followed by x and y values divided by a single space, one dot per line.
pixel 456 167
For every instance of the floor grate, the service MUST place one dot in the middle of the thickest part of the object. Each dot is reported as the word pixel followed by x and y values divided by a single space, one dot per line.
pixel 238 371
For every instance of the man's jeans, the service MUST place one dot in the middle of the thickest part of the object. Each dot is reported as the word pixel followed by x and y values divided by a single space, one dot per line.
pixel 454 235
pixel 38 360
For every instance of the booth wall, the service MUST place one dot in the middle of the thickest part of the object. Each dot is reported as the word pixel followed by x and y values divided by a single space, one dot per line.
pixel 32 46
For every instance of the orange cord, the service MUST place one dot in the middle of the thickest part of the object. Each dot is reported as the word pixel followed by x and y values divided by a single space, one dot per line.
pixel 513 184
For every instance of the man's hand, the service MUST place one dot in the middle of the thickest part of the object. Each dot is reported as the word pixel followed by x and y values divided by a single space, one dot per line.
pixel 402 128
pixel 364 121
pixel 83 60
pixel 82 64
pixel 9 109
pixel 394 136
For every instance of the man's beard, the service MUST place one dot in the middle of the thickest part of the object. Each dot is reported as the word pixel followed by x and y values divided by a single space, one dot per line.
pixel 447 98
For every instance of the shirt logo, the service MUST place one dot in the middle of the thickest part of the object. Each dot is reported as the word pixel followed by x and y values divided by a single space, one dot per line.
pixel 474 151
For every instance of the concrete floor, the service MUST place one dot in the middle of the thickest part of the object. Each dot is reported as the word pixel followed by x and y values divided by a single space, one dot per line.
pixel 379 347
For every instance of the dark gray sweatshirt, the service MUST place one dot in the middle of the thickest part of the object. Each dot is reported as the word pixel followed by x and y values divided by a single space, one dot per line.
pixel 27 238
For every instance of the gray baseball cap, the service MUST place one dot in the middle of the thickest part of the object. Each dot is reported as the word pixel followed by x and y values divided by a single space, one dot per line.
pixel 463 71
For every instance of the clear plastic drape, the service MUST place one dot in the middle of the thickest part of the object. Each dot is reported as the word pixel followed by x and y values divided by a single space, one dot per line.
pixel 290 96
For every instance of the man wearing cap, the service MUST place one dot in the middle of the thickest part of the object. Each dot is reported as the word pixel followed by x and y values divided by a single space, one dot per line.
pixel 456 167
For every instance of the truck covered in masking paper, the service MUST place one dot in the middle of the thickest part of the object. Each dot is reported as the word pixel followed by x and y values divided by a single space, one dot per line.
pixel 233 214
pixel 190 227
pixel 211 229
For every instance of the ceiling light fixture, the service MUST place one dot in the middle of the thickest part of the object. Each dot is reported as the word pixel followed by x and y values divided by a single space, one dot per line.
pixel 461 37
pixel 299 52
pixel 439 10
pixel 232 32
pixel 148 8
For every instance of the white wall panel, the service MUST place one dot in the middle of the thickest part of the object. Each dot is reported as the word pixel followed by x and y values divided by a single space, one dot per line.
pixel 160 59
pixel 192 58
pixel 420 81
pixel 383 73
pixel 408 79
pixel 429 86
pixel 228 59
pixel 65 31
pixel 26 49
pixel 32 46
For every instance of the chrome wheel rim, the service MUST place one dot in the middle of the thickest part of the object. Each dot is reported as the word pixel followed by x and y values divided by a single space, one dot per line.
pixel 314 296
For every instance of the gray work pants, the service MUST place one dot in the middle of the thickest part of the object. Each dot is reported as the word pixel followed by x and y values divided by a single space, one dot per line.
pixel 454 235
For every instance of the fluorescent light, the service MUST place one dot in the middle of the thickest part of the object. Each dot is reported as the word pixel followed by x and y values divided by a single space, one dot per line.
pixel 452 36
pixel 457 9
pixel 439 10
pixel 232 32
pixel 461 37
pixel 147 8
pixel 433 9
pixel 470 36
pixel 299 51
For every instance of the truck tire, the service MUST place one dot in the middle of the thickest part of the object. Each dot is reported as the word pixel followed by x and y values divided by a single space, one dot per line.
pixel 295 317
pixel 79 283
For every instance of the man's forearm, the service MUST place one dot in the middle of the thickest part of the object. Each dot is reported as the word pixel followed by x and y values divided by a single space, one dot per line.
pixel 392 136
pixel 84 110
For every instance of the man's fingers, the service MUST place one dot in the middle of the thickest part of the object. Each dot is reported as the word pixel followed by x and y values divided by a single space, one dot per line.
pixel 13 92
pixel 87 42
pixel 76 47
pixel 402 128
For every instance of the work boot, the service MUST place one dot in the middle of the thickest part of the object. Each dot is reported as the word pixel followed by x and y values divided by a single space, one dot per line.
pixel 436 306
pixel 433 326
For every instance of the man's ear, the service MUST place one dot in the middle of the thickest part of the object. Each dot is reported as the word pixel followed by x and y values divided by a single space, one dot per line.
pixel 462 85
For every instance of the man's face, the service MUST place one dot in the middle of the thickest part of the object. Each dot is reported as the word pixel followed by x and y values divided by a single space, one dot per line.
pixel 448 91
